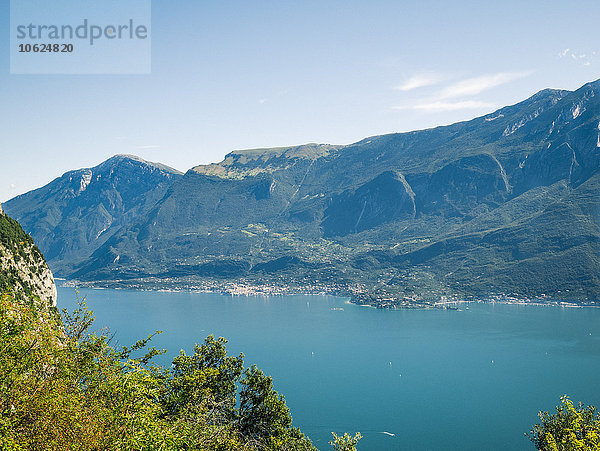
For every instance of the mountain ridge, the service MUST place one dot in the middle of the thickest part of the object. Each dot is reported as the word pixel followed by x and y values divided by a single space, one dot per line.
pixel 468 209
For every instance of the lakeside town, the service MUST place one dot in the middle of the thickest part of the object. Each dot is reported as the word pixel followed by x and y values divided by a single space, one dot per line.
pixel 359 294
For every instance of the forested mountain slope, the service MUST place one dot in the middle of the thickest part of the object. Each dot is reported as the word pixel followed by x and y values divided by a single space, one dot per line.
pixel 505 203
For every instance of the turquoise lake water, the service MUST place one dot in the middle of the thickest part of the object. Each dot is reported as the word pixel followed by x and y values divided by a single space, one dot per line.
pixel 438 380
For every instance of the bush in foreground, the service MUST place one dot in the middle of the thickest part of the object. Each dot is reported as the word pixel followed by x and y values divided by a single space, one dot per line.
pixel 345 442
pixel 62 387
pixel 569 429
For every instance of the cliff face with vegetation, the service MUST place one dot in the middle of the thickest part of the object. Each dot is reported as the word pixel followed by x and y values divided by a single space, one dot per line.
pixel 24 273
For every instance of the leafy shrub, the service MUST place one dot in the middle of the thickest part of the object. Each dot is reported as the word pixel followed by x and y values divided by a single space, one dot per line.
pixel 570 428
pixel 345 442
pixel 63 387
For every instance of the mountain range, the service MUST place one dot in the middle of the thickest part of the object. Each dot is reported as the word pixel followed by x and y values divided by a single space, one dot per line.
pixel 506 204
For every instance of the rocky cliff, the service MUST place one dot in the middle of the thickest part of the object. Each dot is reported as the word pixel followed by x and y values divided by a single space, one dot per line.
pixel 23 270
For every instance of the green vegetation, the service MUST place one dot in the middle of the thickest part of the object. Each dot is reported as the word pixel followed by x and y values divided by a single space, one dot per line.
pixel 12 235
pixel 569 429
pixel 345 442
pixel 63 387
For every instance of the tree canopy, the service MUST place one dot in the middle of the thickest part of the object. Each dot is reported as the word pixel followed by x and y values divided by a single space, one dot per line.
pixel 571 428
pixel 63 387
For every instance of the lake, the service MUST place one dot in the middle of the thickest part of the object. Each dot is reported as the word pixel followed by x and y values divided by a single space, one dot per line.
pixel 437 379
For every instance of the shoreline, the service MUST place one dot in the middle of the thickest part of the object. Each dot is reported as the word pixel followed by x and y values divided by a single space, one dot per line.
pixel 387 303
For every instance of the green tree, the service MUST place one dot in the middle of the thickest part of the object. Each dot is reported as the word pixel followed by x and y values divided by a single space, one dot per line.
pixel 205 381
pixel 63 387
pixel 569 429
pixel 345 442
pixel 263 414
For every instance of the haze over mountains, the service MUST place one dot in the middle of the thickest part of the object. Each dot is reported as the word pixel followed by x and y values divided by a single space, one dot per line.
pixel 505 203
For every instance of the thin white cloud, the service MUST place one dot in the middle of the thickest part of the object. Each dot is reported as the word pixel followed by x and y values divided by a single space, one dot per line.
pixel 564 53
pixel 151 146
pixel 476 85
pixel 574 55
pixel 439 107
pixel 262 101
pixel 585 59
pixel 420 81
pixel 12 186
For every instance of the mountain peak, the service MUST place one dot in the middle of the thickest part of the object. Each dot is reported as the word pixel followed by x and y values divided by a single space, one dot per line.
pixel 95 202
pixel 120 158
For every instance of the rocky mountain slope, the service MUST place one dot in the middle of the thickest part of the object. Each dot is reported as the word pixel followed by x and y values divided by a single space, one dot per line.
pixel 24 273
pixel 76 213
pixel 503 204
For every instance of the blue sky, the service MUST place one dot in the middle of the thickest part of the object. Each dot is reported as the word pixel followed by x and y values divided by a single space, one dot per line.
pixel 231 75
